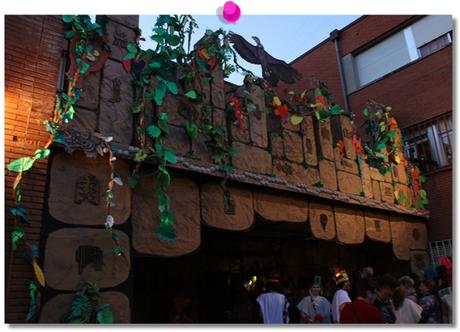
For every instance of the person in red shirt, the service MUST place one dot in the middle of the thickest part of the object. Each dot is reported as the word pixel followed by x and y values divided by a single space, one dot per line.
pixel 361 309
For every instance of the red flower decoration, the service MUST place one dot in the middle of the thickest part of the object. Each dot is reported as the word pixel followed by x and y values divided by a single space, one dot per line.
pixel 341 146
pixel 357 143
pixel 321 100
pixel 236 105
pixel 282 111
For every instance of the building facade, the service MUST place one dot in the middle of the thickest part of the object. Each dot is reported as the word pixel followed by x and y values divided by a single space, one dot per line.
pixel 405 62
pixel 293 203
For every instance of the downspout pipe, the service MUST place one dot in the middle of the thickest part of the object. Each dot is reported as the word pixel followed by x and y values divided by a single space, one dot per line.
pixel 334 37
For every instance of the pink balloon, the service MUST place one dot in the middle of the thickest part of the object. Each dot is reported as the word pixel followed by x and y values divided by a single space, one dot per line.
pixel 231 12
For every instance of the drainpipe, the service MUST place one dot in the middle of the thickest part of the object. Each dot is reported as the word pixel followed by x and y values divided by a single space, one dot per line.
pixel 334 37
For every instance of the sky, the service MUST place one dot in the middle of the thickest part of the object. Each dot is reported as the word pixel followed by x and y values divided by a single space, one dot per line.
pixel 284 37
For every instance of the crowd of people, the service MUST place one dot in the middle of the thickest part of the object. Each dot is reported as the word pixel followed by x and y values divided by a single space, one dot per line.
pixel 424 298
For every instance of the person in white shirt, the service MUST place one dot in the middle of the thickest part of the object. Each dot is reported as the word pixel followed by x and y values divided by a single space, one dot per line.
pixel 405 309
pixel 341 296
pixel 273 305
pixel 315 308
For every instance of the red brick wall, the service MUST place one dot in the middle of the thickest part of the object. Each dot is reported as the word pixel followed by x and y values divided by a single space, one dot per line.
pixel 416 93
pixel 369 28
pixel 439 189
pixel 33 47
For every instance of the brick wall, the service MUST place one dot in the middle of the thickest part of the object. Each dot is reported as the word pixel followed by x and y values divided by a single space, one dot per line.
pixel 33 47
pixel 439 189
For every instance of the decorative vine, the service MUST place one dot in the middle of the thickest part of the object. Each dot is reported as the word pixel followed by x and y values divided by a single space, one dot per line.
pixel 86 307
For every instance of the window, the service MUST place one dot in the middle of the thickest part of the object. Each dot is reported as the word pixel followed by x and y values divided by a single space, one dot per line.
pixel 426 36
pixel 429 144
pixel 440 248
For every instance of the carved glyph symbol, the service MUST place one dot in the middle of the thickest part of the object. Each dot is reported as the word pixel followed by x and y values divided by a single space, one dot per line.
pixel 323 221
pixel 89 255
pixel 87 188
pixel 116 91
pixel 229 203
pixel 119 39
pixel 378 227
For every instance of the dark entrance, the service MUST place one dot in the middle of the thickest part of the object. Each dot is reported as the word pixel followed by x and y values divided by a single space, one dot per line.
pixel 207 276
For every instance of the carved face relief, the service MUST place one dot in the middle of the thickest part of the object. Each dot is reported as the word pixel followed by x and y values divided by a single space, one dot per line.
pixel 285 168
pixel 116 91
pixel 89 255
pixel 229 204
pixel 87 188
pixel 120 39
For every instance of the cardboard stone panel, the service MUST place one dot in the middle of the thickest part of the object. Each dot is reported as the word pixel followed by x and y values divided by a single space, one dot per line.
pixel 325 139
pixel 89 94
pixel 218 95
pixel 399 236
pixel 295 173
pixel 185 203
pixel 345 164
pixel 178 110
pixel 349 183
pixel 238 215
pixel 387 192
pixel 251 158
pixel 219 118
pixel 76 255
pixel 293 146
pixel 274 207
pixel 376 190
pixel 322 221
pixel 417 235
pixel 277 146
pixel 328 174
pixel 350 225
pixel 258 125
pixel 131 21
pixel 419 259
pixel 57 308
pixel 309 142
pixel 85 121
pixel 178 140
pixel 200 149
pixel 347 131
pixel 399 174
pixel 367 188
pixel 241 134
pixel 376 175
pixel 405 193
pixel 116 117
pixel 118 38
pixel 77 190
pixel 377 226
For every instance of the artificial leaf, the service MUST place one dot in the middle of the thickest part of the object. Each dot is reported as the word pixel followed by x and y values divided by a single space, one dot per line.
pixel 191 94
pixel 336 109
pixel 105 316
pixel 276 101
pixel 118 251
pixel 21 165
pixel 42 153
pixel 159 95
pixel 32 300
pixel 17 234
pixel 172 87
pixel 169 156
pixel 296 119
pixel 68 18
pixel 380 147
pixel 153 131
pixel 138 107
pixel 192 130
pixel 38 273
pixel 366 112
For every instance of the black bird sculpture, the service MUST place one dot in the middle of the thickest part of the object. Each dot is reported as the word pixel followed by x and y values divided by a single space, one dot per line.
pixel 273 70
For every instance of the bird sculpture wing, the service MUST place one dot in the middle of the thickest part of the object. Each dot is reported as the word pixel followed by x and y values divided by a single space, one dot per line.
pixel 278 69
pixel 245 49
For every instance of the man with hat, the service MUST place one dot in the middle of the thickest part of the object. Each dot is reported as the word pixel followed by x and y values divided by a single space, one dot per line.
pixel 341 297
pixel 315 308
pixel 273 305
